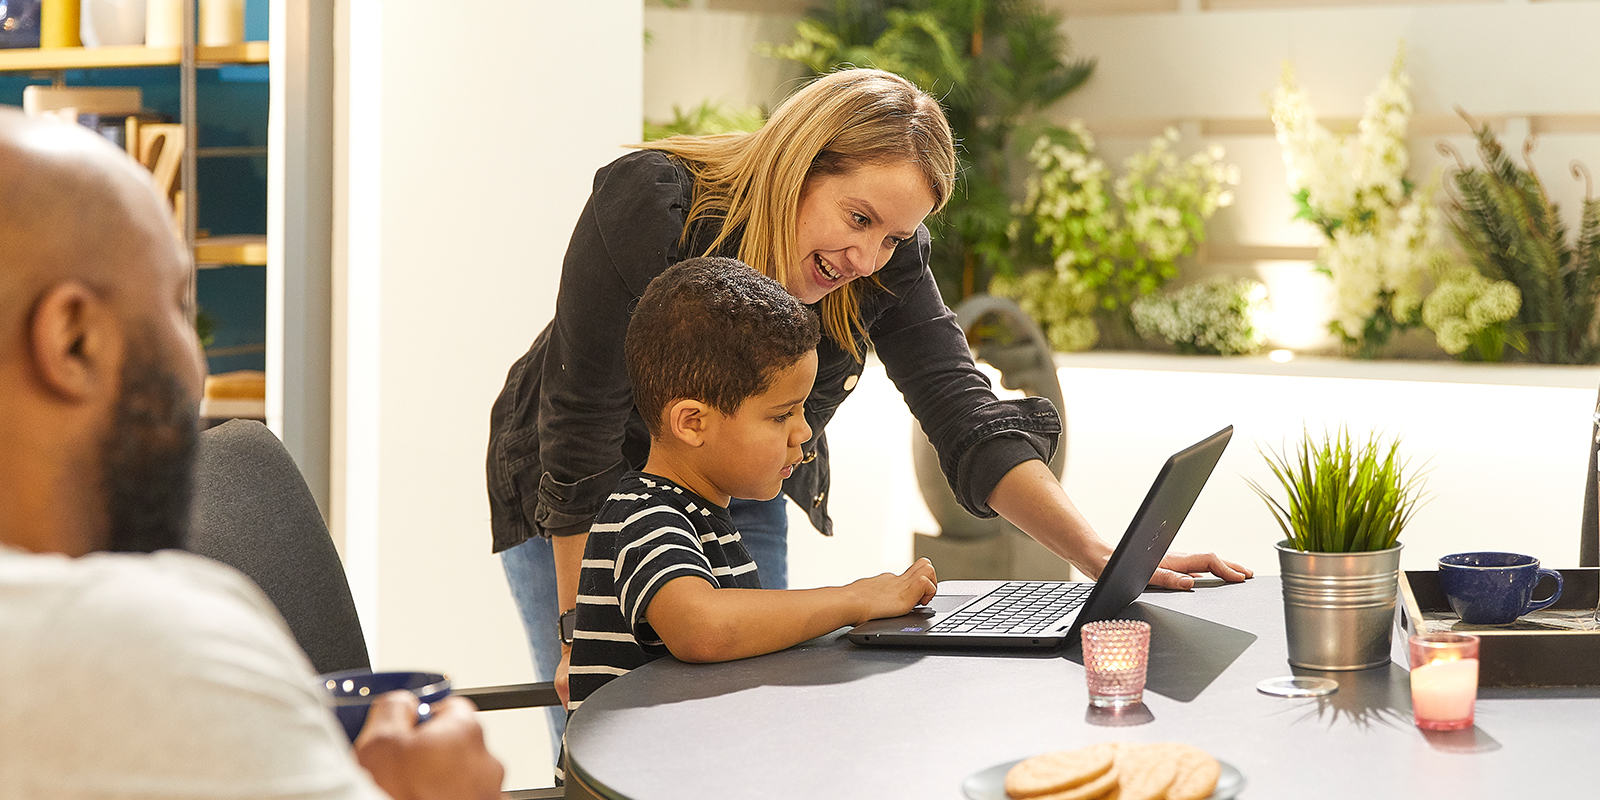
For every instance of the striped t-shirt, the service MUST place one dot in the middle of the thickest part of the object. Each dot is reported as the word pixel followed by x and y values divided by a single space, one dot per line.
pixel 649 531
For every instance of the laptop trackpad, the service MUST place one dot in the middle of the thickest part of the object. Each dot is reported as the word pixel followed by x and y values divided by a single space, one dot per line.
pixel 946 603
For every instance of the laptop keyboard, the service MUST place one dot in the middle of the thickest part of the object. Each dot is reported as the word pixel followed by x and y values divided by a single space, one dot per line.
pixel 1017 607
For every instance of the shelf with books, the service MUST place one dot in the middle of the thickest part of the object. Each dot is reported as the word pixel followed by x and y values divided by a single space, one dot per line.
pixel 87 79
pixel 63 58
pixel 227 251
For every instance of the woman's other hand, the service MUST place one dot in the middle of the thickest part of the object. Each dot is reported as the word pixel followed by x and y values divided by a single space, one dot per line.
pixel 1178 570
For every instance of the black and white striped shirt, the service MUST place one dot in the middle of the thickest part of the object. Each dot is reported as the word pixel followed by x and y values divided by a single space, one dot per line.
pixel 649 531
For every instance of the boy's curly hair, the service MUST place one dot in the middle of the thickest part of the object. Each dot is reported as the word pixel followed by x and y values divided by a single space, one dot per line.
pixel 712 329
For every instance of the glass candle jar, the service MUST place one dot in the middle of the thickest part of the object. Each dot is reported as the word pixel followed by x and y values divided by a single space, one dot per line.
pixel 1444 680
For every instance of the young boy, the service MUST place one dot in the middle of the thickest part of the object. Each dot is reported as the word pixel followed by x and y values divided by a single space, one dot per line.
pixel 721 359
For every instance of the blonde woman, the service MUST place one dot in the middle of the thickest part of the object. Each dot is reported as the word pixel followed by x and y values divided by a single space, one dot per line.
pixel 829 198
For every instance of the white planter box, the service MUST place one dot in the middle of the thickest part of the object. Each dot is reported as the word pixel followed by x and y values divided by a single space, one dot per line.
pixel 1505 446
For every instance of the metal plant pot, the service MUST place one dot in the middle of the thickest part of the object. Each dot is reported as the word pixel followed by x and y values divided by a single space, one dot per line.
pixel 1338 608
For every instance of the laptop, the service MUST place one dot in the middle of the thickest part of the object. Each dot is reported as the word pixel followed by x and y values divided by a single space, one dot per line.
pixel 1047 614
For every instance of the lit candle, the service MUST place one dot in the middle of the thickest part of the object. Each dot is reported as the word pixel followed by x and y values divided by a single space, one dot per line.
pixel 1444 680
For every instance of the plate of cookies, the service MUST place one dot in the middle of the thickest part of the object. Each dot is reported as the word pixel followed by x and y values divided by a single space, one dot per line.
pixel 1110 771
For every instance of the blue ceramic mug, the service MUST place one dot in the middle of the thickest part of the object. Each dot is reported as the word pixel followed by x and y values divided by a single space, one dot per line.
pixel 351 693
pixel 1494 588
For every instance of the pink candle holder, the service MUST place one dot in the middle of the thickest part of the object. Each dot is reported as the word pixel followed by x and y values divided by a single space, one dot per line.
pixel 1115 654
pixel 1444 680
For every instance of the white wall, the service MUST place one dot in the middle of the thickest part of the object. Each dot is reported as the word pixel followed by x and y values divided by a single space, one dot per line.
pixel 697 54
pixel 1505 450
pixel 471 135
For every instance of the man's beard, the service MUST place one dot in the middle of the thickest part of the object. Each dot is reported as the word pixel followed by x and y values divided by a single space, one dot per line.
pixel 148 458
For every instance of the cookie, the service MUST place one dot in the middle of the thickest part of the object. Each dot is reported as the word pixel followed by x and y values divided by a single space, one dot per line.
pixel 1101 788
pixel 1144 772
pixel 1197 771
pixel 1059 771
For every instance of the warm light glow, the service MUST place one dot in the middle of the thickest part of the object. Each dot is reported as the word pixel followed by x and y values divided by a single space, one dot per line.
pixel 1443 690
pixel 1281 356
pixel 1301 304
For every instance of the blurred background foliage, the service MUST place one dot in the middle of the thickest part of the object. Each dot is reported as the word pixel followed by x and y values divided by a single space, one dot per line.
pixel 707 118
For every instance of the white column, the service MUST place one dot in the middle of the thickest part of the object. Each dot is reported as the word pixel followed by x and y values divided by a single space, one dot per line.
pixel 299 231
pixel 469 137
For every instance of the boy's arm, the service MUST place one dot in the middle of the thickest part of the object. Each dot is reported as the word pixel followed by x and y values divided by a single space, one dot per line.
pixel 699 622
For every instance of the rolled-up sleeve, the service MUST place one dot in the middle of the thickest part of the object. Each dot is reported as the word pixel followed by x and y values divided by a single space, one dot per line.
pixel 979 437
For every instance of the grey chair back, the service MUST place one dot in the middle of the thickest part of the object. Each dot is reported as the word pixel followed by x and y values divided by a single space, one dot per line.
pixel 254 512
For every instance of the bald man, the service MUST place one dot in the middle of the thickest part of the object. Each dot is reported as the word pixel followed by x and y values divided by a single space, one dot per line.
pixel 126 672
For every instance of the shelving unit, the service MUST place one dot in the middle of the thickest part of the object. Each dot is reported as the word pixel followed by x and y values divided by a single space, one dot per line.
pixel 207 252
pixel 65 58
pixel 222 251
pixel 296 254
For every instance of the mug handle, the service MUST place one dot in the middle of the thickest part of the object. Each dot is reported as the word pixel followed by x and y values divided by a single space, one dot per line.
pixel 1535 605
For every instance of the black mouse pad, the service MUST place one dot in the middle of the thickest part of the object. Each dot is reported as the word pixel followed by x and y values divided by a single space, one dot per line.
pixel 1187 653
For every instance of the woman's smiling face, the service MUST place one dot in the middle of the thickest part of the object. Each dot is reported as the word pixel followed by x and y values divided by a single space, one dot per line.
pixel 849 224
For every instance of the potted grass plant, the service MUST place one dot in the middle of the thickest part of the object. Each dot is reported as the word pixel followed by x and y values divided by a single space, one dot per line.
pixel 1348 502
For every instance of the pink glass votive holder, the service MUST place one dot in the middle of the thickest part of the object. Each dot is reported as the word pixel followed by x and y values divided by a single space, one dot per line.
pixel 1444 680
pixel 1115 655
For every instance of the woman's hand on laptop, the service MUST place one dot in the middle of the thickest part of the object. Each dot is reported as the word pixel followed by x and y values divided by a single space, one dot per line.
pixel 890 595
pixel 1178 570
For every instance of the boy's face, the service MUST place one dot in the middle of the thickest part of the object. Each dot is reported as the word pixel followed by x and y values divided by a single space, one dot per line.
pixel 749 454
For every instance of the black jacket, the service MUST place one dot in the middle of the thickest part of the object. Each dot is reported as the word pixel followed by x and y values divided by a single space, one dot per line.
pixel 564 429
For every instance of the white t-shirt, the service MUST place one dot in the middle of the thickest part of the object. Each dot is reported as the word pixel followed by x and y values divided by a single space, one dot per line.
pixel 157 676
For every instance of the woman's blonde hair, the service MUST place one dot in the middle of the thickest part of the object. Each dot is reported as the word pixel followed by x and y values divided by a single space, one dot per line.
pixel 842 121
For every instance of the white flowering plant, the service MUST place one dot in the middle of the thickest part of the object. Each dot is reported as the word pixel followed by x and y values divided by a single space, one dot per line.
pixel 1061 302
pixel 1214 317
pixel 1111 239
pixel 1382 234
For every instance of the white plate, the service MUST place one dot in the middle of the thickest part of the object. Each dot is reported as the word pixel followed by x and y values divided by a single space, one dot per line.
pixel 990 784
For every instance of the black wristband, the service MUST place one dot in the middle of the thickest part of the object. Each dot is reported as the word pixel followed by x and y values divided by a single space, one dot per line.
pixel 567 626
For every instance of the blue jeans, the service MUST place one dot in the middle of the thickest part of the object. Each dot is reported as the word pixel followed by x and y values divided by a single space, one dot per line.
pixel 763 526
pixel 530 569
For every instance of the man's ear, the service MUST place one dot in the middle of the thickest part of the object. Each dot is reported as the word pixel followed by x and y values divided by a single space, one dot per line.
pixel 688 420
pixel 76 341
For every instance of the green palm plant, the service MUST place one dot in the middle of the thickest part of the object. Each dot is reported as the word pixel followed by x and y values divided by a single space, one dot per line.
pixel 1344 495
pixel 1511 230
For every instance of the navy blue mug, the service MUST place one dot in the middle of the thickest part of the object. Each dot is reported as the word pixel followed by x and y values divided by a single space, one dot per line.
pixel 351 693
pixel 1494 588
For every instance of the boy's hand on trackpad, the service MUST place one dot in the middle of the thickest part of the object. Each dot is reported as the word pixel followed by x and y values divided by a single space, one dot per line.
pixel 890 595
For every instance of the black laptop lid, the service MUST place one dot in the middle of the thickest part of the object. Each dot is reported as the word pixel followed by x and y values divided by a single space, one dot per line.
pixel 1150 533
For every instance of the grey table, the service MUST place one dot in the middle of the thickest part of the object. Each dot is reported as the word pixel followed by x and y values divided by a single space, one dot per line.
pixel 830 719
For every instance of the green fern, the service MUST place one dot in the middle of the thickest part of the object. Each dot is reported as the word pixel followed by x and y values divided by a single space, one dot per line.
pixel 1511 230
